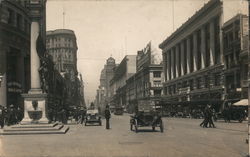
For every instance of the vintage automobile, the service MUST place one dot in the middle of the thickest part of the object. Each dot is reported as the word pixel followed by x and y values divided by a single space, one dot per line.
pixel 93 117
pixel 236 111
pixel 118 111
pixel 146 116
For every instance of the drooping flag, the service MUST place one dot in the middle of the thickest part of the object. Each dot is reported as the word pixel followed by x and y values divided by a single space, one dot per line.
pixel 40 47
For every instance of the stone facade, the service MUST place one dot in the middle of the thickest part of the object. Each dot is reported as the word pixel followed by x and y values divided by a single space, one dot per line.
pixel 235 40
pixel 193 57
pixel 14 52
pixel 146 83
pixel 61 45
pixel 123 72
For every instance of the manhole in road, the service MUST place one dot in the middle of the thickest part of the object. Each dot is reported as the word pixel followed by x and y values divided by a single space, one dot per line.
pixel 130 142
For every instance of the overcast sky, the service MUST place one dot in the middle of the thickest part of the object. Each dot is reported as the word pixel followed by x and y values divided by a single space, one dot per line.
pixel 117 28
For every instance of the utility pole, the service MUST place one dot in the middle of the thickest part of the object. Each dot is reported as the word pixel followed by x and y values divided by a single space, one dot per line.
pixel 173 13
pixel 63 17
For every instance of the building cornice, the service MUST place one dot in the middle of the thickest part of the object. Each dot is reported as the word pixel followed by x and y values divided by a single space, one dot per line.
pixel 196 17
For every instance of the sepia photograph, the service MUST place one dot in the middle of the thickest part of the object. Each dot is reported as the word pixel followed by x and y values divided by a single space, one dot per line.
pixel 124 78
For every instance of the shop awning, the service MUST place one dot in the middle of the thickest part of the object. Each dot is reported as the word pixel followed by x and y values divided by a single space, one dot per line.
pixel 242 102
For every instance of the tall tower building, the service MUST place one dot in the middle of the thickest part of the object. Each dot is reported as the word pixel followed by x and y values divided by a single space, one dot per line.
pixel 61 45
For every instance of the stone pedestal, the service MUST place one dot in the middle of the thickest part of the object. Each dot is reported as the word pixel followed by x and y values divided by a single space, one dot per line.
pixel 41 100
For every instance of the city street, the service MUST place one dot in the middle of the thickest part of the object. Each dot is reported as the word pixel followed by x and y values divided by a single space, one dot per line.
pixel 181 138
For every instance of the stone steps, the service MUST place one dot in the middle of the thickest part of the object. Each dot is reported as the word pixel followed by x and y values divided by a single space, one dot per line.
pixel 34 125
pixel 34 129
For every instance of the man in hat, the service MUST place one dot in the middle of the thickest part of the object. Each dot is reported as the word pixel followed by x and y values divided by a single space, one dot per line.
pixel 107 117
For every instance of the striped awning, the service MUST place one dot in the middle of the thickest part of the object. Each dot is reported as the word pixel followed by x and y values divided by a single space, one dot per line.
pixel 242 102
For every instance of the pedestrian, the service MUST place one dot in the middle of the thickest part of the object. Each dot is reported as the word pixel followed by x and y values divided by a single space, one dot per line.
pixel 12 118
pixel 83 114
pixel 210 117
pixel 2 117
pixel 107 117
pixel 205 121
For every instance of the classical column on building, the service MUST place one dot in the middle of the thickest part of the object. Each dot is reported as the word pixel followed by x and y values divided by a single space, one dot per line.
pixel 3 76
pixel 203 47
pixel 165 59
pixel 169 65
pixel 182 58
pixel 188 56
pixel 212 43
pixel 177 62
pixel 195 58
pixel 172 63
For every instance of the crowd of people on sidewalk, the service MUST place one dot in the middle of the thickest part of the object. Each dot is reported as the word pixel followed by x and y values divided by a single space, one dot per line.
pixel 10 116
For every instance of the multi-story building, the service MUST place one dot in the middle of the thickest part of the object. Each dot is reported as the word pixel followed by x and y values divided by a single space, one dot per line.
pixel 193 56
pixel 61 45
pixel 235 41
pixel 123 72
pixel 15 49
pixel 146 83
pixel 103 91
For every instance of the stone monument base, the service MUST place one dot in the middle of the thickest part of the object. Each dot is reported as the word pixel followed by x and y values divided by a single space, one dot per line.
pixel 35 108
pixel 30 129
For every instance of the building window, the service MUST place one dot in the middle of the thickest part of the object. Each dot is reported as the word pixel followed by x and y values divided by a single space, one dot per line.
pixel 157 74
pixel 157 92
pixel 208 59
pixel 217 40
pixel 191 84
pixel 19 21
pixel 206 79
pixel 216 79
pixel 198 83
pixel 11 16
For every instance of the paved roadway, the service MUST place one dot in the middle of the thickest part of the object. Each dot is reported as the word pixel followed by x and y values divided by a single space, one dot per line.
pixel 181 138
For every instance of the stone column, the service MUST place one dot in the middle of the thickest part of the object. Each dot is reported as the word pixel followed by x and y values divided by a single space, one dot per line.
pixel 166 66
pixel 3 82
pixel 3 90
pixel 177 62
pixel 188 56
pixel 169 65
pixel 35 61
pixel 172 64
pixel 203 47
pixel 195 50
pixel 182 58
pixel 212 43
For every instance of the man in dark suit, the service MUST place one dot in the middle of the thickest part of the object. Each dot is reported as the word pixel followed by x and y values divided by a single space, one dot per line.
pixel 107 117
